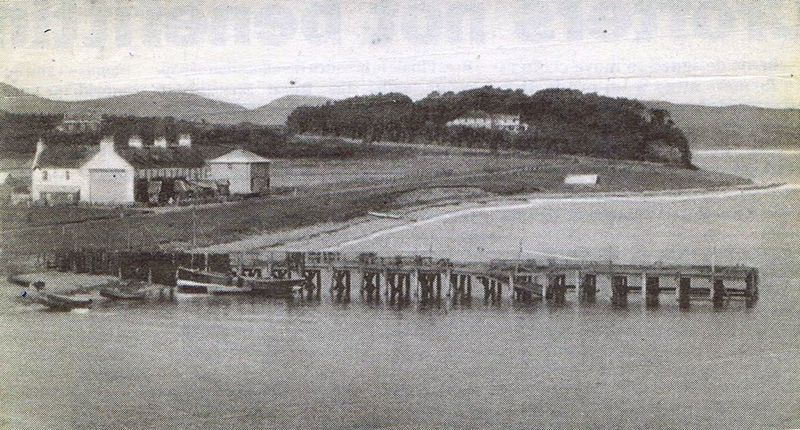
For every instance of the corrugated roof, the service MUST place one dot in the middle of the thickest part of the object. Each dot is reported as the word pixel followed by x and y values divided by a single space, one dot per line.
pixel 157 158
pixel 66 156
pixel 239 156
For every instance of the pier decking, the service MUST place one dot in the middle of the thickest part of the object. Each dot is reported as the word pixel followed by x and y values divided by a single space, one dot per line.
pixel 426 279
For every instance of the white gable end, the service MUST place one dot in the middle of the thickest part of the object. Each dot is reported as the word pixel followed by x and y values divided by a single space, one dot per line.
pixel 107 178
pixel 107 159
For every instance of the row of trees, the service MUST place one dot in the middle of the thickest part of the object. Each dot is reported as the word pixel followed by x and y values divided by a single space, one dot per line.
pixel 20 132
pixel 560 121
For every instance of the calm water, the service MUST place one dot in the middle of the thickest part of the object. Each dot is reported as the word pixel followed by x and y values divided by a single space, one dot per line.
pixel 238 362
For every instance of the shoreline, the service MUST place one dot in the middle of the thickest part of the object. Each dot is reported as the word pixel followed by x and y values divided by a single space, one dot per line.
pixel 735 151
pixel 332 206
pixel 335 235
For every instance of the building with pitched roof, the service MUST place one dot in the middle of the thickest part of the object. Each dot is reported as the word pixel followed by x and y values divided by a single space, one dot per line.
pixel 108 174
pixel 79 122
pixel 245 171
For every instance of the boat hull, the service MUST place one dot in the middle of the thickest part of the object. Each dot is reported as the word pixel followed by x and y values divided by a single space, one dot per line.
pixel 58 301
pixel 193 282
pixel 279 288
pixel 115 294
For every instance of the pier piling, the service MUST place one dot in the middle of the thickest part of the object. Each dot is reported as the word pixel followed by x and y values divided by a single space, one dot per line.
pixel 587 292
pixel 557 287
pixel 341 284
pixel 751 288
pixel 684 292
pixel 718 294
pixel 651 291
pixel 313 285
pixel 619 290
pixel 371 285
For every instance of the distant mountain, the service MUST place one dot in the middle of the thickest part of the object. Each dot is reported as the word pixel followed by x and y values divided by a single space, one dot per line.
pixel 145 103
pixel 176 104
pixel 273 113
pixel 735 126
pixel 705 126
pixel 14 100
pixel 159 103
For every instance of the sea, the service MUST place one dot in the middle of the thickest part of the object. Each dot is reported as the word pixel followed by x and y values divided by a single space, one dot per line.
pixel 239 362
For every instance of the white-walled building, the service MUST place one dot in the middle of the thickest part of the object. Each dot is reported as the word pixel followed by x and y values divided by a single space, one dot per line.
pixel 245 171
pixel 494 121
pixel 79 122
pixel 582 179
pixel 106 173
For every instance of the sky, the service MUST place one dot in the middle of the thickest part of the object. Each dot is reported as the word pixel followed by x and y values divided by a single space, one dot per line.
pixel 250 52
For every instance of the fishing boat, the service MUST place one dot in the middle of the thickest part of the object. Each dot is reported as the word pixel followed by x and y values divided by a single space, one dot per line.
pixel 201 282
pixel 271 287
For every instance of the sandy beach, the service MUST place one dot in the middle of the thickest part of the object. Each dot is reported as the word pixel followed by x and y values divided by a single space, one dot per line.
pixel 339 235
pixel 740 151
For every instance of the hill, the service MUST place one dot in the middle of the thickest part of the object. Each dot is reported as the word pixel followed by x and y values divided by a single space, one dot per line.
pixel 180 105
pixel 14 100
pixel 273 113
pixel 176 104
pixel 738 126
pixel 705 126
pixel 556 121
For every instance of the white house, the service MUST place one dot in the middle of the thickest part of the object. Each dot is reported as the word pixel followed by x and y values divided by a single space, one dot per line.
pixel 107 174
pixel 77 122
pixel 245 171
pixel 494 121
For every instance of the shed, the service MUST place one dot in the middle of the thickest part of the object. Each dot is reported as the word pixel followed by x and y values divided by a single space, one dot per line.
pixel 582 179
pixel 245 171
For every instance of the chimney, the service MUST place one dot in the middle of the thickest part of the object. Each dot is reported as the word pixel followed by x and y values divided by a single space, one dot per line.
pixel 135 141
pixel 185 140
pixel 107 143
pixel 39 149
pixel 160 142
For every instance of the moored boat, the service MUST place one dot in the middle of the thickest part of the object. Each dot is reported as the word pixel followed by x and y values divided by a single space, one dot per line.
pixel 200 282
pixel 271 287
pixel 60 301
pixel 118 294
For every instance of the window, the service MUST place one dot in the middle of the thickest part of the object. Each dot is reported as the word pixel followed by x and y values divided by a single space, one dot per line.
pixel 44 175
pixel 66 175
pixel 230 166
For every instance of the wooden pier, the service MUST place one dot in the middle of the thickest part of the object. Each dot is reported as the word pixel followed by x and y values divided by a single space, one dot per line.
pixel 406 279
pixel 403 279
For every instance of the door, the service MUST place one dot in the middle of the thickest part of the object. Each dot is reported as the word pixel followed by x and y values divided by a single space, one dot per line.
pixel 108 186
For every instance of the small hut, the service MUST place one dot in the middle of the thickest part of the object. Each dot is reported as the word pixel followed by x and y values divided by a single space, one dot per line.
pixel 246 172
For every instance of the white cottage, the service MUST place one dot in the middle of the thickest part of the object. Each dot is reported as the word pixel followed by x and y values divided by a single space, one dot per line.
pixel 245 171
pixel 107 174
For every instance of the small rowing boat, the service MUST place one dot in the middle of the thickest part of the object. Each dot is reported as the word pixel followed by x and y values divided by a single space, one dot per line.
pixel 118 294
pixel 271 287
pixel 60 301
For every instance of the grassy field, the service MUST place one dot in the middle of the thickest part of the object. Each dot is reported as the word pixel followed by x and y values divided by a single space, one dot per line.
pixel 37 216
pixel 342 190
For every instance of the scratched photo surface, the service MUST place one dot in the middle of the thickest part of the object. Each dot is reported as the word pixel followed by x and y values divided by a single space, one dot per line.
pixel 399 214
